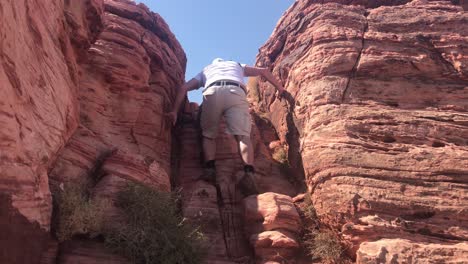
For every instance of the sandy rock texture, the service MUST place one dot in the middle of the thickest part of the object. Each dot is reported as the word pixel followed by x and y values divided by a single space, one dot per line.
pixel 40 43
pixel 376 117
pixel 84 86
pixel 273 225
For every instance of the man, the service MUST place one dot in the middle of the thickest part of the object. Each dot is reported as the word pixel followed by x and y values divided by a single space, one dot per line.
pixel 225 95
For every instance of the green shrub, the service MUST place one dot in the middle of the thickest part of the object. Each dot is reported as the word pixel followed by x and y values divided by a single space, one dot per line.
pixel 77 214
pixel 154 231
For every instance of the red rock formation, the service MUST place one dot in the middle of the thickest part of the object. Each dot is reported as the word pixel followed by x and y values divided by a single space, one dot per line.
pixel 84 84
pixel 39 111
pixel 128 81
pixel 376 112
pixel 389 250
pixel 273 226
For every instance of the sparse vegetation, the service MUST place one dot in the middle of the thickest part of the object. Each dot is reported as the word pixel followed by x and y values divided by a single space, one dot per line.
pixel 308 209
pixel 280 155
pixel 324 245
pixel 154 231
pixel 77 213
pixel 318 242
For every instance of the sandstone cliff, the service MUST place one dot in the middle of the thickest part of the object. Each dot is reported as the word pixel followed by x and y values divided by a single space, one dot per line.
pixel 84 88
pixel 374 121
pixel 376 114
pixel 85 85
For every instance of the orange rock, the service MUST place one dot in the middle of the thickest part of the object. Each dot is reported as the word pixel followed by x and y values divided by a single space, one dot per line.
pixel 274 245
pixel 376 111
pixel 406 251
pixel 79 79
pixel 270 211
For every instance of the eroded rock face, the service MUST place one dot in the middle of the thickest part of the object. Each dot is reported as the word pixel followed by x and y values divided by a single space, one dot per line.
pixel 39 110
pixel 273 225
pixel 405 251
pixel 376 115
pixel 128 80
pixel 270 211
pixel 84 87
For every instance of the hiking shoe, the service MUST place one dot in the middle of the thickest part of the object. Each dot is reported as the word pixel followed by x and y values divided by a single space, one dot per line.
pixel 209 175
pixel 247 185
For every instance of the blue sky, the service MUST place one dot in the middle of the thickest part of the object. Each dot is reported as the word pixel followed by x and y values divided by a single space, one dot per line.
pixel 230 29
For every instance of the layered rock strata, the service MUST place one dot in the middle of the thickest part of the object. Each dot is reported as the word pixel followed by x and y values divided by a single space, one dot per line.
pixel 127 82
pixel 376 112
pixel 84 88
pixel 273 225
pixel 39 111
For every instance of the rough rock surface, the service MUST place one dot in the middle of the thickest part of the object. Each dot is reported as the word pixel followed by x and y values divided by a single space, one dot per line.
pixel 404 251
pixel 84 87
pixel 39 111
pixel 273 225
pixel 127 82
pixel 377 116
pixel 274 245
pixel 271 211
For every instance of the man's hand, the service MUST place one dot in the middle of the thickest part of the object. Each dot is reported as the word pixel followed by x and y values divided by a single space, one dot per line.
pixel 264 72
pixel 172 117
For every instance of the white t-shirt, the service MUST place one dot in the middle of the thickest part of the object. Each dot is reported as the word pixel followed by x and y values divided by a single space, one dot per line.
pixel 221 70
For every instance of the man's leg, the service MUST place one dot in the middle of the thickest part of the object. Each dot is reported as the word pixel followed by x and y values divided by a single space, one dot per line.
pixel 209 148
pixel 246 149
pixel 239 124
pixel 247 184
pixel 209 122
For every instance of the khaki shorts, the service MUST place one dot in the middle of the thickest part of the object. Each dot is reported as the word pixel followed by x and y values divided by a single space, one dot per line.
pixel 228 101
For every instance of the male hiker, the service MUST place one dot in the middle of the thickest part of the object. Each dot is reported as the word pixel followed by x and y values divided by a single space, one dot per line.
pixel 225 95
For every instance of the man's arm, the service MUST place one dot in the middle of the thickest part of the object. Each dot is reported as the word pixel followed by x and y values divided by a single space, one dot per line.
pixel 264 72
pixel 181 93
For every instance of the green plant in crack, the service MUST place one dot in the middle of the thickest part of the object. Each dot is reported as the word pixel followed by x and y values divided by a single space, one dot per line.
pixel 77 214
pixel 154 230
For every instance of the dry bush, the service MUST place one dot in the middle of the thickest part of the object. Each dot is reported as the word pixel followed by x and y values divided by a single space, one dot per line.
pixel 154 231
pixel 319 243
pixel 280 155
pixel 324 246
pixel 77 214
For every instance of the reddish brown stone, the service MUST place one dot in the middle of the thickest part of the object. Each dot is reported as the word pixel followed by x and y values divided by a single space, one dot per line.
pixel 39 111
pixel 376 113
pixel 271 211
pixel 78 84
pixel 406 251
pixel 274 245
